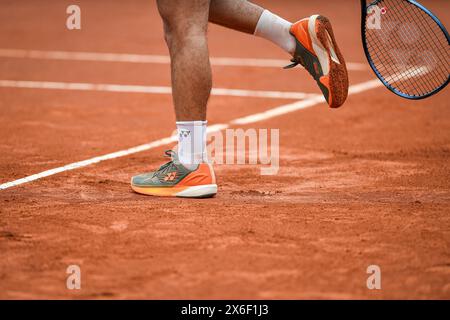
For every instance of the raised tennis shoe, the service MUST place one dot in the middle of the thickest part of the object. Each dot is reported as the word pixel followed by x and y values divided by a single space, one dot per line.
pixel 318 52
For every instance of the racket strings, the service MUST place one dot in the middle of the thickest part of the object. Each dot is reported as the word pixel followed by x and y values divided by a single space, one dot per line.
pixel 399 42
pixel 432 28
pixel 412 72
pixel 436 33
pixel 409 50
pixel 404 32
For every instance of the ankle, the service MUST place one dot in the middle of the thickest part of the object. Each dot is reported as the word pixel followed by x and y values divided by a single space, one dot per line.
pixel 192 143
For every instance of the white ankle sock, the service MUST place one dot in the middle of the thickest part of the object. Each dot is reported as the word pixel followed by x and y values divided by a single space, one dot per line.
pixel 192 143
pixel 275 29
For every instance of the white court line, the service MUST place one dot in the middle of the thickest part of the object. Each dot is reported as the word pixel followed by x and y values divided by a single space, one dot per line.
pixel 150 58
pixel 278 111
pixel 148 89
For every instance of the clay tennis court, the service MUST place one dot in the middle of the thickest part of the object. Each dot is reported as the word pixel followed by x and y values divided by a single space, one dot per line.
pixel 367 184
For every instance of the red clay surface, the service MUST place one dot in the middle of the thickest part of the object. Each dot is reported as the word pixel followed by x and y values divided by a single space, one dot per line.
pixel 366 184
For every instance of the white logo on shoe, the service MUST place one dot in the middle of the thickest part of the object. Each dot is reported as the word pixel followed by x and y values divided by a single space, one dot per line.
pixel 333 54
pixel 322 53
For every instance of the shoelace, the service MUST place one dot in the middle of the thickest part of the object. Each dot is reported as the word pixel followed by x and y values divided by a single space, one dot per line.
pixel 293 64
pixel 168 167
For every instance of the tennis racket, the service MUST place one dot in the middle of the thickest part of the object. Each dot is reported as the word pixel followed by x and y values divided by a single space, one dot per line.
pixel 407 47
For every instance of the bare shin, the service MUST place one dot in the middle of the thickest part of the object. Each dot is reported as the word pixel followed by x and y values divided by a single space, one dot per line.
pixel 185 30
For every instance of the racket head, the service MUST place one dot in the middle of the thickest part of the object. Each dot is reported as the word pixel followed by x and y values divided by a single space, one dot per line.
pixel 407 47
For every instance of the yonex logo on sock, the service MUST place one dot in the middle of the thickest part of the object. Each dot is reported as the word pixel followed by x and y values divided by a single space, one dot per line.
pixel 184 133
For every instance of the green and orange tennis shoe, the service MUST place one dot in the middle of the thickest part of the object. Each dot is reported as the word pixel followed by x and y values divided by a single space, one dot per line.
pixel 317 51
pixel 175 180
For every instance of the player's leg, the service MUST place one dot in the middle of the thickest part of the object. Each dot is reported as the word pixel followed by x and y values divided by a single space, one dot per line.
pixel 245 16
pixel 310 41
pixel 188 174
pixel 238 15
pixel 185 28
